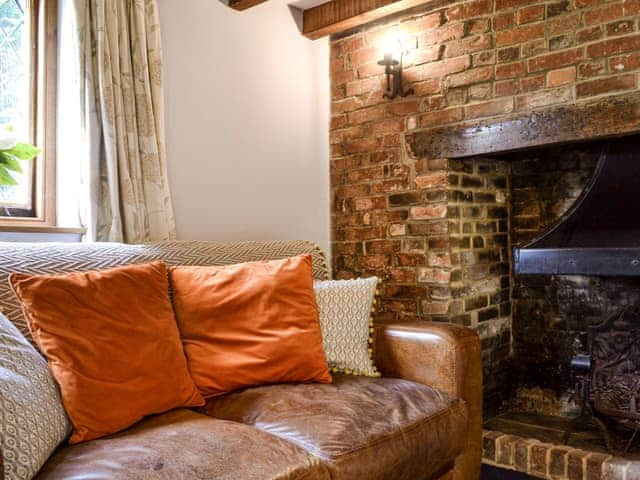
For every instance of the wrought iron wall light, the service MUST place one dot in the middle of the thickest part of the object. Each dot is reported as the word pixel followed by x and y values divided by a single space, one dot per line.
pixel 393 54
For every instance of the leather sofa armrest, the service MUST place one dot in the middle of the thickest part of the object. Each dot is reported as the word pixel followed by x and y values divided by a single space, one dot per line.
pixel 443 356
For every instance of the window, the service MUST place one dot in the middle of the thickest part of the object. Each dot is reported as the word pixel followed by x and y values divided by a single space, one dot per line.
pixel 27 104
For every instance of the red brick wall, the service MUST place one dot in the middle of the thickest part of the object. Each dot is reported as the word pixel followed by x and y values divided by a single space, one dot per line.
pixel 473 60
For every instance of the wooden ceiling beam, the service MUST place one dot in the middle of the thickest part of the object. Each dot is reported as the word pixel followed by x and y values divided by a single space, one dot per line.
pixel 340 15
pixel 243 4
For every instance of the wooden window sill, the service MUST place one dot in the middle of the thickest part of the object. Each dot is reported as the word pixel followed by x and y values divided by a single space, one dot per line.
pixel 41 229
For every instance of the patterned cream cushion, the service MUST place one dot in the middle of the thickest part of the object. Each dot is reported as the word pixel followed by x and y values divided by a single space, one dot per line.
pixel 345 319
pixel 32 419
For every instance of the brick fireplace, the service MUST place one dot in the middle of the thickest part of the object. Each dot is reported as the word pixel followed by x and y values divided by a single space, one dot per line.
pixel 431 192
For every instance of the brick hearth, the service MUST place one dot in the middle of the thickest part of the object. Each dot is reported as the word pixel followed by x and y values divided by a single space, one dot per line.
pixel 552 461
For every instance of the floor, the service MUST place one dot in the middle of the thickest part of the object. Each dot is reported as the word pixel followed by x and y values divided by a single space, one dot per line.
pixel 493 473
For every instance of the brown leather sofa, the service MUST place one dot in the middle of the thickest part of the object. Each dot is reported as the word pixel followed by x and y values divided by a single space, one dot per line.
pixel 421 420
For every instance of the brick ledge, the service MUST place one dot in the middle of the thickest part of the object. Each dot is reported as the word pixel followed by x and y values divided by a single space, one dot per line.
pixel 553 462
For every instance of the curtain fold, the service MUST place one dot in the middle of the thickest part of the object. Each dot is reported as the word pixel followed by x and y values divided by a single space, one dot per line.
pixel 124 174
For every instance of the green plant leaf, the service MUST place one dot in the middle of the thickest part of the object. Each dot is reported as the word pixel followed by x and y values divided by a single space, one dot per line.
pixel 24 151
pixel 5 177
pixel 10 162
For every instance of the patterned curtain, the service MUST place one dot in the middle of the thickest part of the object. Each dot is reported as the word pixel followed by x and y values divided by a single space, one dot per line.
pixel 123 117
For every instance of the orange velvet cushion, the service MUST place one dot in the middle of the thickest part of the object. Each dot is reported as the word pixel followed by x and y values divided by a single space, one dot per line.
pixel 249 324
pixel 112 343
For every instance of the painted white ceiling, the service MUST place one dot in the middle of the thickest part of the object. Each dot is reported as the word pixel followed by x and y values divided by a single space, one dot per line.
pixel 305 4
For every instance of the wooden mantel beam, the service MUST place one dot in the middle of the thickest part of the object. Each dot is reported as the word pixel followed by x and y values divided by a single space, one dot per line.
pixel 243 4
pixel 340 15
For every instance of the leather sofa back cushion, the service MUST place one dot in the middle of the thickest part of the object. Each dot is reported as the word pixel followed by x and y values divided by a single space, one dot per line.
pixel 112 343
pixel 249 324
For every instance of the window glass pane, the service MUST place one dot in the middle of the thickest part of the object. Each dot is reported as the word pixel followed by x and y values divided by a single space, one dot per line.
pixel 15 92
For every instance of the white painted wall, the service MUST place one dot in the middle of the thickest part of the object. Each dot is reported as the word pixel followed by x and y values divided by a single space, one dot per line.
pixel 247 101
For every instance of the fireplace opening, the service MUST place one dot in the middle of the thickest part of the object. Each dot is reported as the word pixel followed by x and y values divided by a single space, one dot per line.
pixel 569 389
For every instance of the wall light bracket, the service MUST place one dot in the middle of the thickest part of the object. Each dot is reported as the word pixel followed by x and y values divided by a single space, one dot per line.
pixel 393 72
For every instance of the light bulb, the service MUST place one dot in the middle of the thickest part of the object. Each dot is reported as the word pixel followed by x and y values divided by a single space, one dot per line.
pixel 391 46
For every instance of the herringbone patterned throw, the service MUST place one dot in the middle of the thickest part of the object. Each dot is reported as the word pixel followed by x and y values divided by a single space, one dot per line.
pixel 43 258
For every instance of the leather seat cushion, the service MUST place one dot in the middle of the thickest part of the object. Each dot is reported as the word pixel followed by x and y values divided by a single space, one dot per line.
pixel 362 428
pixel 184 445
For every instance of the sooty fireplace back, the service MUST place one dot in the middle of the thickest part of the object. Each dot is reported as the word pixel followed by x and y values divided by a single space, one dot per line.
pixel 574 228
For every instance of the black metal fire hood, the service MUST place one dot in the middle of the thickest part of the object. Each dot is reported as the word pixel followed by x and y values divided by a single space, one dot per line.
pixel 600 233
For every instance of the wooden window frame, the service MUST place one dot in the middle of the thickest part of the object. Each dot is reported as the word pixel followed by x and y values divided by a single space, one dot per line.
pixel 44 64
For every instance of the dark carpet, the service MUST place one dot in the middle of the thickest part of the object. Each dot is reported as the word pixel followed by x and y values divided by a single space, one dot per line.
pixel 492 473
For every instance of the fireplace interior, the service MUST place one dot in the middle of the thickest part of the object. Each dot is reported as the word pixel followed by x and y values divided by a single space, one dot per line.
pixel 549 420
